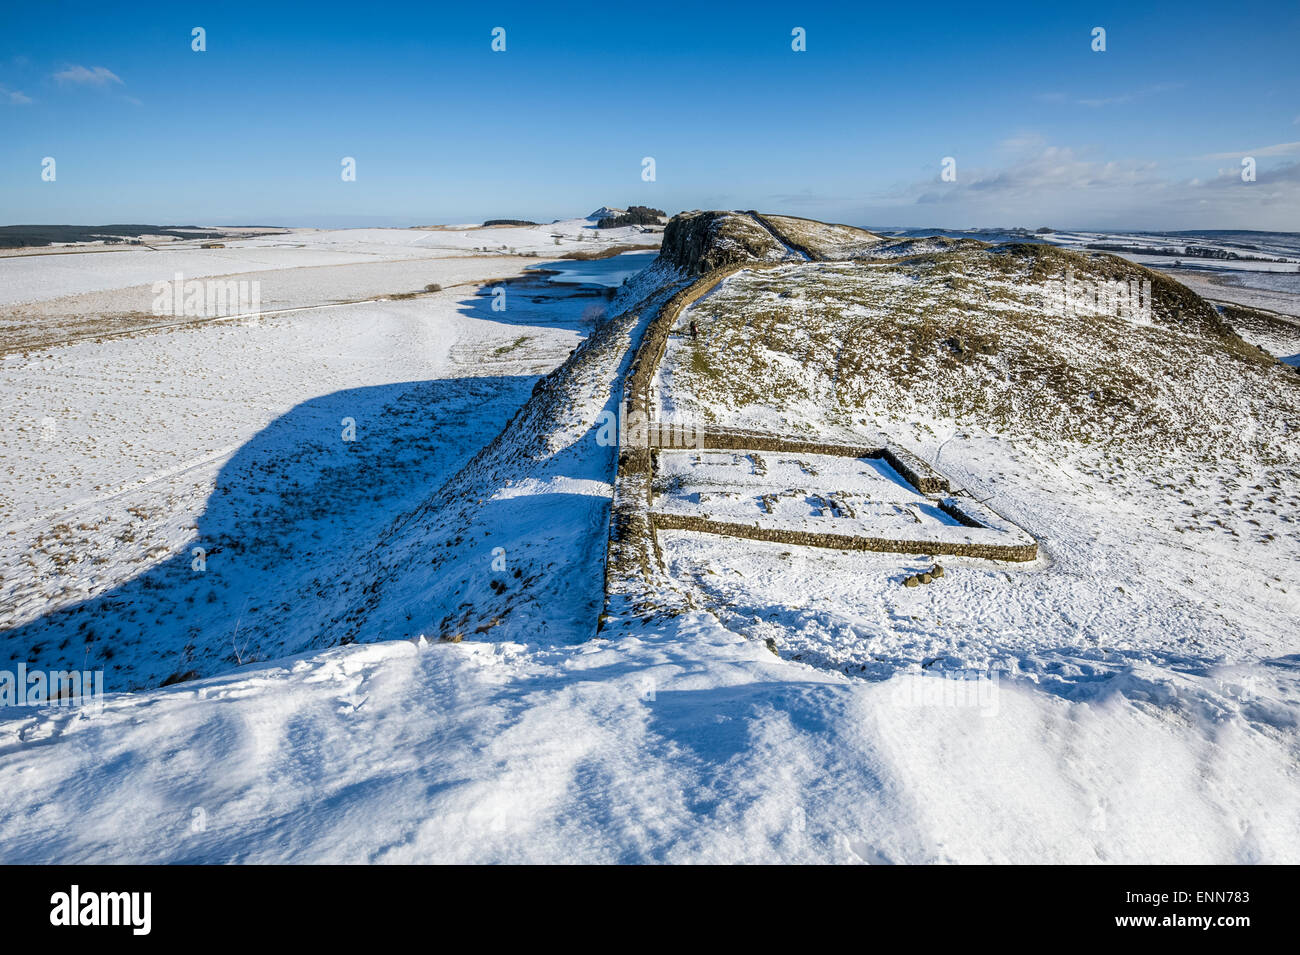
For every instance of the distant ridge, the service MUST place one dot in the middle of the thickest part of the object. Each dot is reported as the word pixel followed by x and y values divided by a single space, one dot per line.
pixel 22 236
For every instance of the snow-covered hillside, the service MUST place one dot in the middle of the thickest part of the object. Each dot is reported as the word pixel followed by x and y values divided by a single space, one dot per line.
pixel 178 502
pixel 396 651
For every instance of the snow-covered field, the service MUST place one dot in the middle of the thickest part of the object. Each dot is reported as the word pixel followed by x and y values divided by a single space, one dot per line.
pixel 1133 696
pixel 275 445
pixel 54 299
pixel 795 491
pixel 1265 272
pixel 686 743
pixel 35 278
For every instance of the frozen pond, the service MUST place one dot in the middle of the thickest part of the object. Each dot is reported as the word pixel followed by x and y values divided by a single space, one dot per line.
pixel 611 271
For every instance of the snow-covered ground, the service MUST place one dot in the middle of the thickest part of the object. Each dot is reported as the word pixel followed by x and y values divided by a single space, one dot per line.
pixel 276 446
pixel 1265 273
pixel 1134 696
pixel 686 743
pixel 54 299
pixel 39 277
pixel 818 494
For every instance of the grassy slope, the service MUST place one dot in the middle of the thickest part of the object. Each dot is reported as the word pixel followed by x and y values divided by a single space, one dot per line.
pixel 825 240
pixel 1156 461
pixel 974 335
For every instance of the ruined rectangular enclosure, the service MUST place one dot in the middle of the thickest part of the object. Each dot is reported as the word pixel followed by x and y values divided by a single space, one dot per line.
pixel 946 521
pixel 814 494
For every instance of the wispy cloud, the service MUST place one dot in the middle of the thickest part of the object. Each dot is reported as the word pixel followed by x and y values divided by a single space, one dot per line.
pixel 1022 142
pixel 1050 169
pixel 1040 181
pixel 809 198
pixel 92 76
pixel 1277 149
pixel 13 97
pixel 1097 102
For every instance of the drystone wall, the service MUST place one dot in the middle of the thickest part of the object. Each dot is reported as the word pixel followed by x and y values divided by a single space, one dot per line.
pixel 686 522
pixel 633 551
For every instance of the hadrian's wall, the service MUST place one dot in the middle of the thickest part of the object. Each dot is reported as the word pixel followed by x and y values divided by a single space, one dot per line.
pixel 633 550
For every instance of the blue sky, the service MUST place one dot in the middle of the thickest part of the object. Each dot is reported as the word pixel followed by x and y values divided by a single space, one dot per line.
pixel 1148 134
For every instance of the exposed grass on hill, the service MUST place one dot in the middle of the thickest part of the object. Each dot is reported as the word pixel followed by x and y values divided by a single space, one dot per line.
pixel 826 240
pixel 698 242
pixel 976 335
pixel 503 350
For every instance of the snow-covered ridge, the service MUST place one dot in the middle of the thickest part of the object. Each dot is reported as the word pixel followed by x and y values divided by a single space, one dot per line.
pixel 1128 698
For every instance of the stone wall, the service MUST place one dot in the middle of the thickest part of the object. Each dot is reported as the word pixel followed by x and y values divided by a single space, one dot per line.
pixel 682 522
pixel 919 474
pixel 683 437
pixel 955 511
pixel 784 238
pixel 633 550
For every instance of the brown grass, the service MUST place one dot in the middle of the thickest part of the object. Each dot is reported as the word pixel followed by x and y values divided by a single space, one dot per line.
pixel 583 256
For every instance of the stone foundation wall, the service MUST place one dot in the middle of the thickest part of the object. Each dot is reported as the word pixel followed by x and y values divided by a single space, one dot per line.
pixel 634 552
pixel 681 522
pixel 919 474
pixel 681 437
pixel 954 510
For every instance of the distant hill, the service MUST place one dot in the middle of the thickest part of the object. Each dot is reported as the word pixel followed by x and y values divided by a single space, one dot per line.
pixel 21 236
pixel 635 215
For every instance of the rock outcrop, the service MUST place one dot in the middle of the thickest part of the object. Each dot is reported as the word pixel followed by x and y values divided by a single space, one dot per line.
pixel 699 242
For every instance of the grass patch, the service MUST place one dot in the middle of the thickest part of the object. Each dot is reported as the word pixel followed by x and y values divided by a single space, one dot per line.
pixel 976 335
pixel 613 250
pixel 519 342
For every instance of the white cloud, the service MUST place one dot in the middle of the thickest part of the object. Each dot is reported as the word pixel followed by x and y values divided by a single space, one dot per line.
pixel 13 97
pixel 1277 149
pixel 94 76
pixel 1069 188
pixel 1023 141
pixel 1045 167
pixel 1097 102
